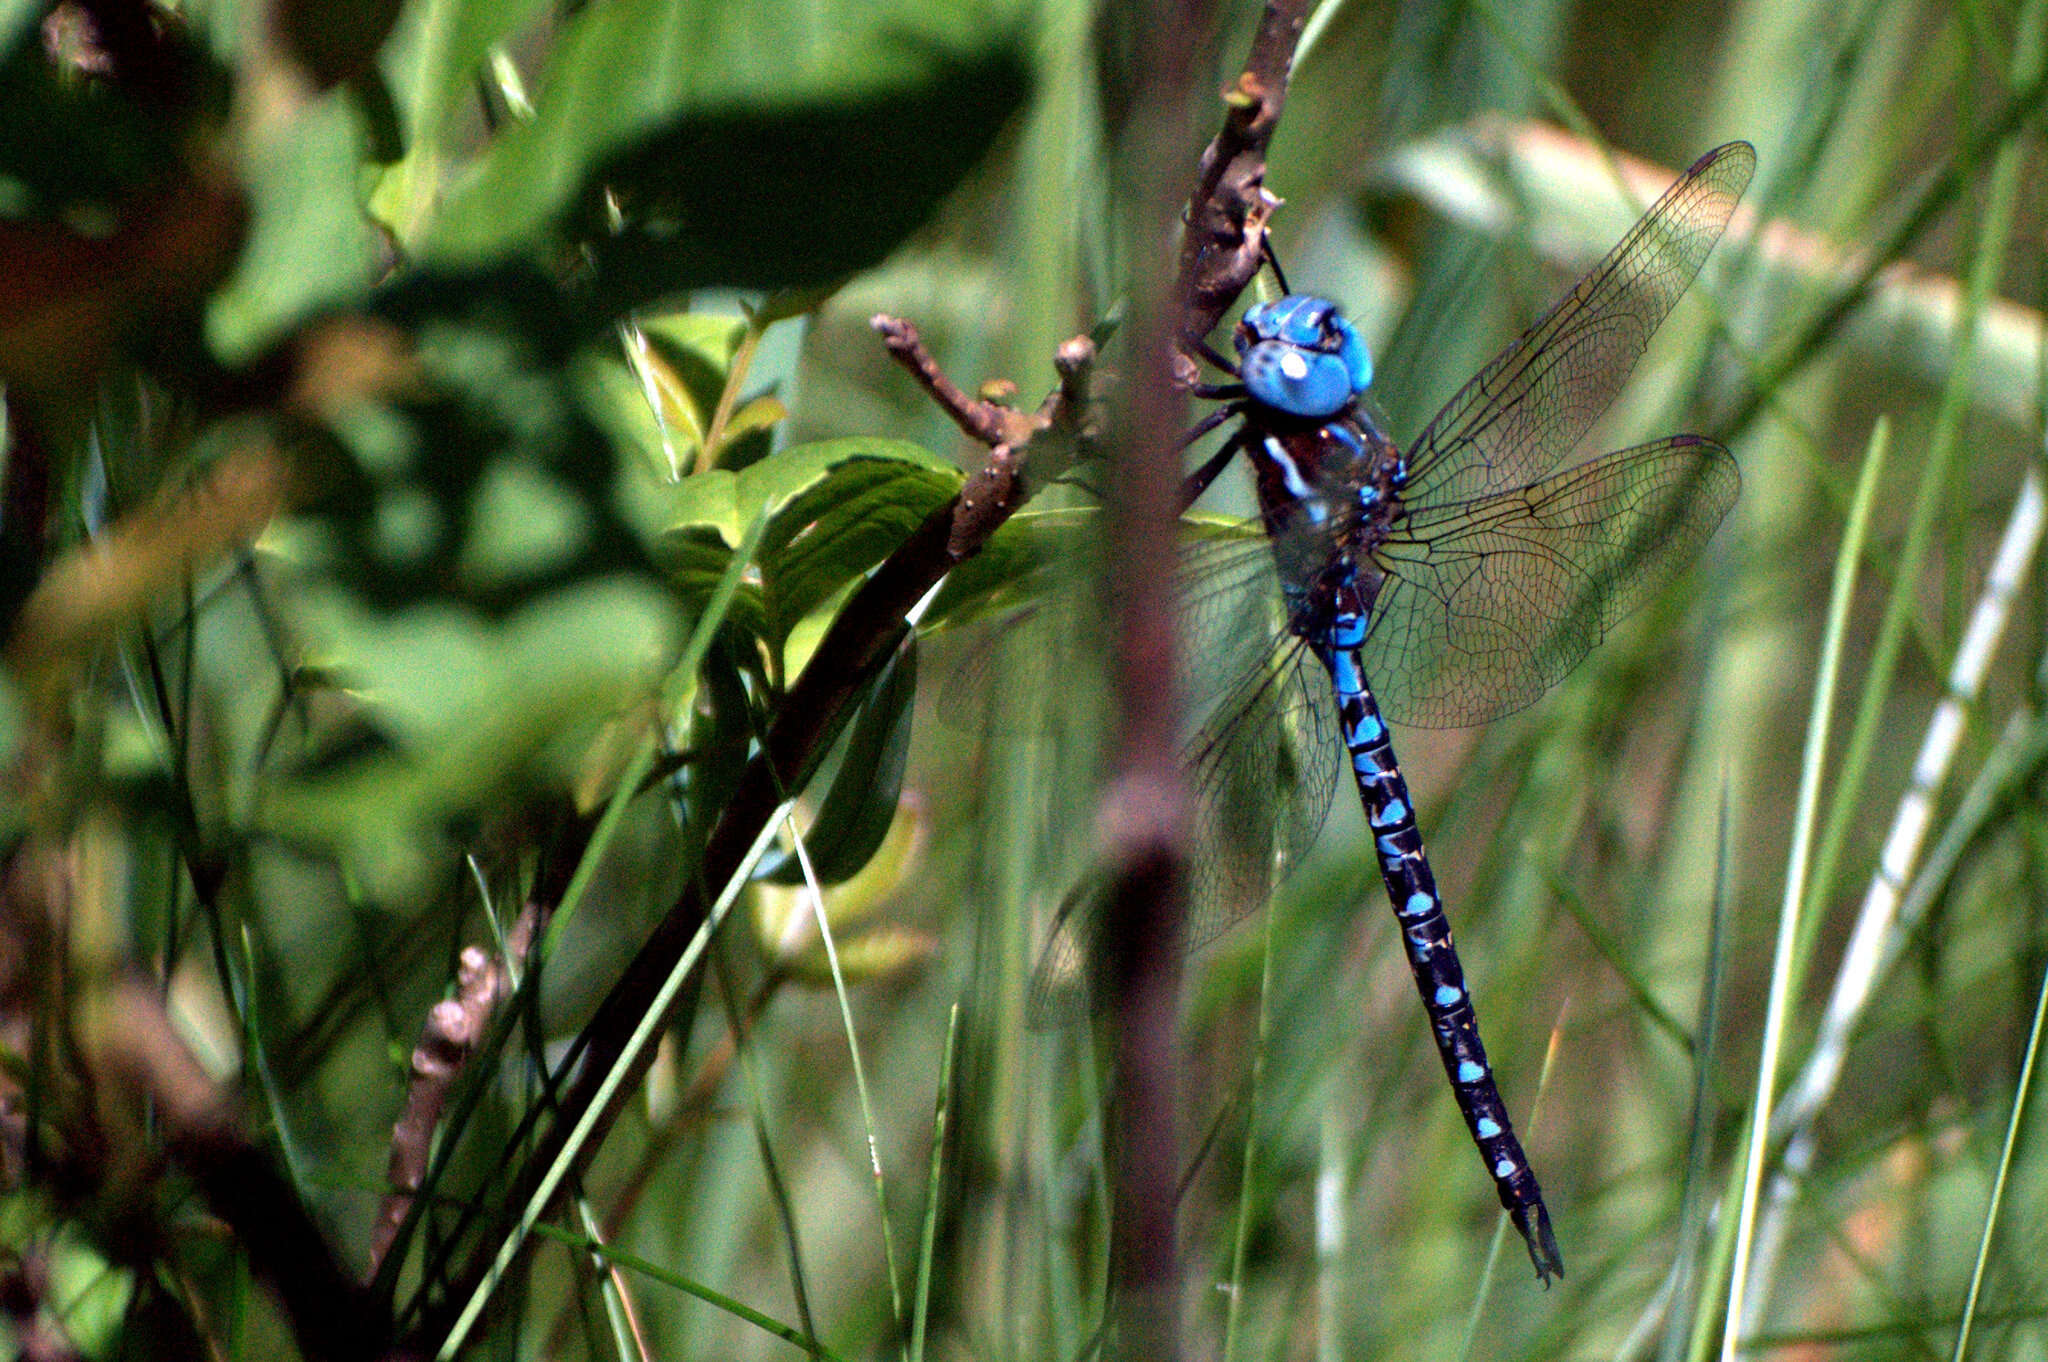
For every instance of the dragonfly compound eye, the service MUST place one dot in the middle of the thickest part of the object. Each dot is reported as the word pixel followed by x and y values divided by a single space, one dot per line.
pixel 1298 355
pixel 1296 380
pixel 1350 348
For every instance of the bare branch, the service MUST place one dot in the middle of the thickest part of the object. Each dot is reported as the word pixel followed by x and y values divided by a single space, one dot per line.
pixel 453 1029
pixel 1225 239
pixel 867 630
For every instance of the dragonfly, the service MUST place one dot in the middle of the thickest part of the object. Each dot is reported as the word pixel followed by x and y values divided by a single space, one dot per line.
pixel 1443 585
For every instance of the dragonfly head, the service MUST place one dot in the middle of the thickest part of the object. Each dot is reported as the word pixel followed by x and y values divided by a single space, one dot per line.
pixel 1299 356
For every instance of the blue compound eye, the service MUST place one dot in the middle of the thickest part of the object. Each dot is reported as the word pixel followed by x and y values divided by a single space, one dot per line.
pixel 1357 359
pixel 1298 355
pixel 1297 381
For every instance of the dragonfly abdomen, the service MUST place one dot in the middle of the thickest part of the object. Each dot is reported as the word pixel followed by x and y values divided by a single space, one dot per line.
pixel 1426 939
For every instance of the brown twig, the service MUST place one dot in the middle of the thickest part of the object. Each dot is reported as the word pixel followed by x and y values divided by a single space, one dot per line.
pixel 454 1026
pixel 862 636
pixel 1225 237
pixel 998 487
pixel 1144 816
pixel 1221 256
pixel 1143 819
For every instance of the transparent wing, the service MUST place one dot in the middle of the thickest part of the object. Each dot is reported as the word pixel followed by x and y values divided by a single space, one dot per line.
pixel 1062 989
pixel 1489 603
pixel 1261 773
pixel 1524 412
pixel 1261 765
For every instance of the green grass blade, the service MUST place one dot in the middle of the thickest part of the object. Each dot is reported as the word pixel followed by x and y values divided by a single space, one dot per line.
pixel 1806 808
pixel 1247 1176
pixel 860 1077
pixel 933 1186
pixel 2006 1153
pixel 643 1035
pixel 764 1144
pixel 682 677
pixel 1692 1194
pixel 656 1272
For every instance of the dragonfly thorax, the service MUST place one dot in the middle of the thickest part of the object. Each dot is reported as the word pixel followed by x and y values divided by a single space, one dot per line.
pixel 1299 357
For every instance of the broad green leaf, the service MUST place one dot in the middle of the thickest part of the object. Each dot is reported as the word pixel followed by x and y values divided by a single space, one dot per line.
pixel 92 1296
pixel 746 143
pixel 842 526
pixel 475 711
pixel 478 477
pixel 310 246
pixel 796 195
pixel 835 508
pixel 781 481
pixel 860 806
pixel 785 486
pixel 433 60
pixel 433 63
pixel 703 526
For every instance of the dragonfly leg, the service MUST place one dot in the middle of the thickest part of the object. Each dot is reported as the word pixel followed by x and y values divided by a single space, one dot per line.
pixel 1273 261
pixel 1214 356
pixel 1198 481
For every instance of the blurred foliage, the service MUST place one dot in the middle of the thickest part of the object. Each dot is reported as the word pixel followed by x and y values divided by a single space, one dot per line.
pixel 400 396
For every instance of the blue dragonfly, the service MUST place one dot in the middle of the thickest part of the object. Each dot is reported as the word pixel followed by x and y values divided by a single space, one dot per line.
pixel 1441 587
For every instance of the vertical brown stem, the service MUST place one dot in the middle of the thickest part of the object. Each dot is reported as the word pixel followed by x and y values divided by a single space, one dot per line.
pixel 1144 818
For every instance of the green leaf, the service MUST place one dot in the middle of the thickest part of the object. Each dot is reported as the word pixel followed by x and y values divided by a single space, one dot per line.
pixel 310 246
pixel 471 710
pixel 784 143
pixel 791 196
pixel 440 46
pixel 872 494
pixel 479 478
pixel 432 64
pixel 659 397
pixel 834 508
pixel 861 805
pixel 694 555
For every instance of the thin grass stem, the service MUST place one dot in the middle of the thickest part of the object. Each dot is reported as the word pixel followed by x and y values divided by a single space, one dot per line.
pixel 1247 1176
pixel 1806 808
pixel 941 1110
